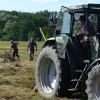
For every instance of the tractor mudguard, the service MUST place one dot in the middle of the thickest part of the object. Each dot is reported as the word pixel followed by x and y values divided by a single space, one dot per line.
pixel 49 42
pixel 60 43
pixel 97 61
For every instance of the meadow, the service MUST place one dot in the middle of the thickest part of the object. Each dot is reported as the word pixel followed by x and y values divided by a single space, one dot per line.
pixel 17 82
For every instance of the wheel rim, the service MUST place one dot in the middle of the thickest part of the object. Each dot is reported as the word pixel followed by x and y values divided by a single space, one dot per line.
pixel 97 88
pixel 48 75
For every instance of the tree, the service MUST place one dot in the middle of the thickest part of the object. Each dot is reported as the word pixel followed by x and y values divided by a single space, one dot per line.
pixel 21 25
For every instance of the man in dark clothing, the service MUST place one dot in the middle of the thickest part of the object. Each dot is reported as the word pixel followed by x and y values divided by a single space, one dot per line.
pixel 88 34
pixel 15 50
pixel 31 47
pixel 87 28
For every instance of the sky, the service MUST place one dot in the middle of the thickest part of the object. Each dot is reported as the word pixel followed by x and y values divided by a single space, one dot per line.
pixel 39 5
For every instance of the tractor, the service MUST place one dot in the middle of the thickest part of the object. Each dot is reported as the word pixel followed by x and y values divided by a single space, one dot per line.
pixel 65 64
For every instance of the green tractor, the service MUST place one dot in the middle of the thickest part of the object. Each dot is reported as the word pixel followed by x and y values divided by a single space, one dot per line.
pixel 63 66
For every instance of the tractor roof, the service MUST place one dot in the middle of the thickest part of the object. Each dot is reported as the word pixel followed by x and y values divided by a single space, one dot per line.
pixel 82 8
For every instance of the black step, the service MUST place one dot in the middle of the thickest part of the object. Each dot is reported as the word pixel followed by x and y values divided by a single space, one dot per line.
pixel 79 71
pixel 86 61
pixel 74 80
pixel 72 90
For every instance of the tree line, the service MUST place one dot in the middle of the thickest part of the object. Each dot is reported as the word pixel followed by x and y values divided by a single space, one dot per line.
pixel 22 26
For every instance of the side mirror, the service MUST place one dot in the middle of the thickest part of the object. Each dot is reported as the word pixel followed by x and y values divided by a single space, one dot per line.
pixel 53 19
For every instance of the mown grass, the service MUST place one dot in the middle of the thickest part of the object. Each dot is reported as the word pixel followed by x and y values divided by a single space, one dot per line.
pixel 16 82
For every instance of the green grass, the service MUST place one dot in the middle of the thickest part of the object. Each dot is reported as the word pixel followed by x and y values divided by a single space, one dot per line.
pixel 16 82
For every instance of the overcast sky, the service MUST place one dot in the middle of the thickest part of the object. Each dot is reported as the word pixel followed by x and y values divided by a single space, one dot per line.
pixel 38 5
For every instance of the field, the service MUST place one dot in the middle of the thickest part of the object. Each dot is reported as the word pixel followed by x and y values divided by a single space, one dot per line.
pixel 17 78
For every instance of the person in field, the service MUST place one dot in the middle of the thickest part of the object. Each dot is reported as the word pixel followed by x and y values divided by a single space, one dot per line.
pixel 32 47
pixel 14 50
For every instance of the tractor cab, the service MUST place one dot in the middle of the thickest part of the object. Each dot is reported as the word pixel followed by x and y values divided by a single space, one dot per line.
pixel 66 18
pixel 68 27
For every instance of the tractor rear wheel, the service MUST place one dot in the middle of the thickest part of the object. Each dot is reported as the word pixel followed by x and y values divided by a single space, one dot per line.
pixel 93 84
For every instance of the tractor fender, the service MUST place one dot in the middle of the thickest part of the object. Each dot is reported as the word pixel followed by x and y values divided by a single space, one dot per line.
pixel 49 42
pixel 97 61
pixel 59 42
